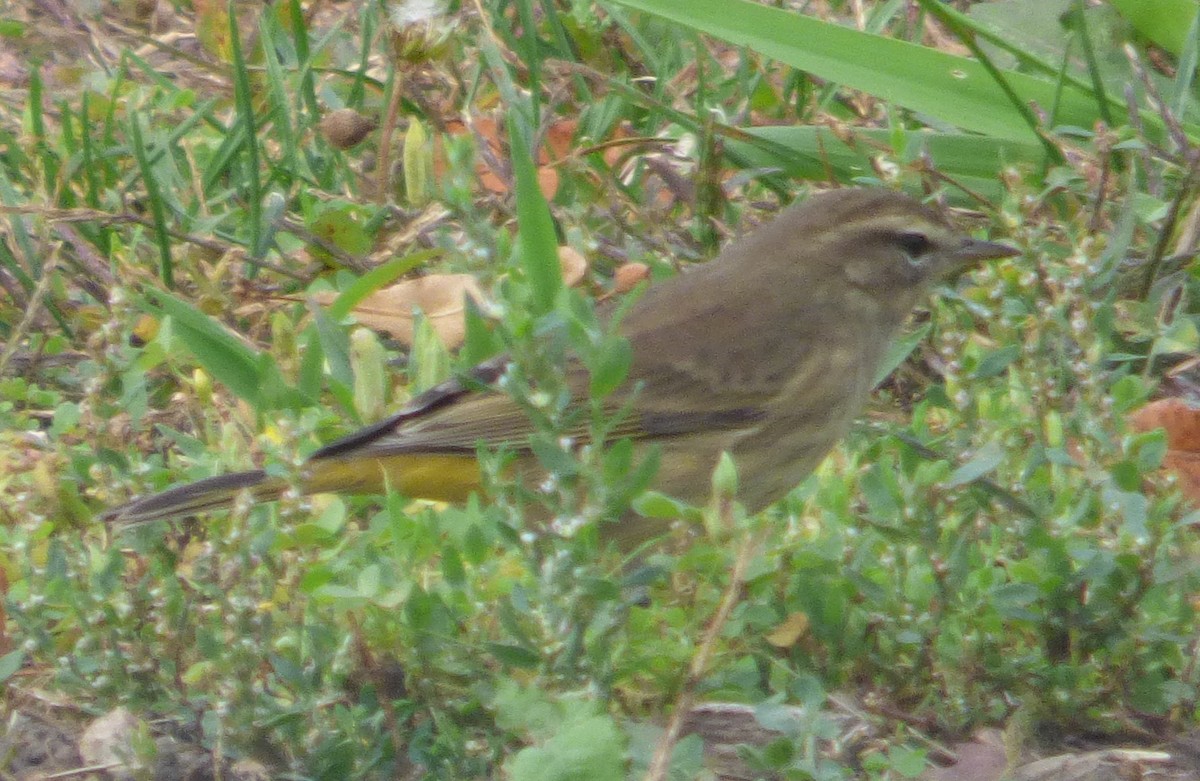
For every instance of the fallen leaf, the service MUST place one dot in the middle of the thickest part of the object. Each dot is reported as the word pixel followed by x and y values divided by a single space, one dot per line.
pixel 574 265
pixel 340 228
pixel 487 130
pixel 1182 425
pixel 547 181
pixel 980 759
pixel 629 276
pixel 1176 417
pixel 560 138
pixel 109 739
pixel 440 297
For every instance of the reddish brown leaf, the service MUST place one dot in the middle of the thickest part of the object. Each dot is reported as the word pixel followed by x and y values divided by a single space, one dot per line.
pixel 1182 425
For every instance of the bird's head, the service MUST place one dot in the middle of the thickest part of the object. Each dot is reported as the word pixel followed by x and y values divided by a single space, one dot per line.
pixel 888 246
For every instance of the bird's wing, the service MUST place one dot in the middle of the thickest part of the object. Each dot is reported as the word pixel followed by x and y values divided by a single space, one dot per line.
pixel 699 365
pixel 705 361
pixel 454 416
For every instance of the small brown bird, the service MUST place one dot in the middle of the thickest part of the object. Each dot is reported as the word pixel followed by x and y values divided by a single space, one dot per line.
pixel 768 352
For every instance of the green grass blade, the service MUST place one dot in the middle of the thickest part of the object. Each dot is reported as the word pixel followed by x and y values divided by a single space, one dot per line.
pixel 816 152
pixel 377 278
pixel 1089 54
pixel 244 100
pixel 1165 22
pixel 536 241
pixel 358 76
pixel 87 153
pixel 308 90
pixel 312 364
pixel 228 359
pixel 154 201
pixel 954 89
pixel 280 103
pixel 1185 79
pixel 530 48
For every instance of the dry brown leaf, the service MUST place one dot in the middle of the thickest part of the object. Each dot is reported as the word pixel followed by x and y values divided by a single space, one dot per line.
pixel 574 265
pixel 109 739
pixel 560 138
pixel 547 181
pixel 488 130
pixel 629 276
pixel 1181 422
pixel 490 180
pixel 1186 467
pixel 1103 765
pixel 441 297
pixel 981 759
pixel 1182 425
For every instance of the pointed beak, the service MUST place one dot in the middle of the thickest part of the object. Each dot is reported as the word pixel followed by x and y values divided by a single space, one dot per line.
pixel 973 251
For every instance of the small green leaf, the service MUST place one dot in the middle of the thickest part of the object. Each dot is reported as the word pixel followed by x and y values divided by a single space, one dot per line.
pixel 536 241
pixel 610 366
pixel 340 228
pixel 418 163
pixel 229 360
pixel 899 351
pixel 10 664
pixel 514 655
pixel 336 345
pixel 653 504
pixel 553 456
pixel 908 762
pixel 996 361
pixel 725 477
pixel 880 490
pixel 582 748
pixel 312 364
pixel 985 460
pixel 1014 599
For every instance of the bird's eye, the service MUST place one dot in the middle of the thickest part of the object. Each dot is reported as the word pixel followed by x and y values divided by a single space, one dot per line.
pixel 914 244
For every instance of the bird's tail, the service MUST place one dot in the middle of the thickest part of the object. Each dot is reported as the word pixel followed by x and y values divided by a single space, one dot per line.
pixel 447 477
pixel 213 493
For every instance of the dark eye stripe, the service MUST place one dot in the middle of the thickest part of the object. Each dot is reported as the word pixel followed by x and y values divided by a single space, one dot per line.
pixel 914 244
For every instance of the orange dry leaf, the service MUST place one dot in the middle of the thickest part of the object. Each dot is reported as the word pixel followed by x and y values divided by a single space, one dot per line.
pixel 547 179
pixel 1182 424
pixel 488 131
pixel 560 138
pixel 628 276
pixel 1176 417
pixel 574 265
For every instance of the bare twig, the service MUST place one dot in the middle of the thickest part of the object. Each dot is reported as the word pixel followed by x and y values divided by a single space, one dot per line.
pixel 661 763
